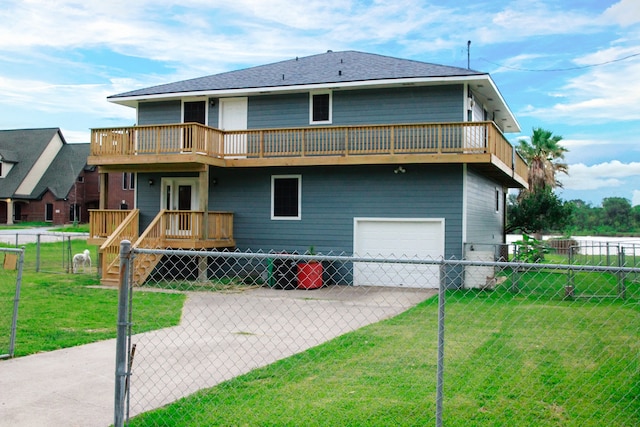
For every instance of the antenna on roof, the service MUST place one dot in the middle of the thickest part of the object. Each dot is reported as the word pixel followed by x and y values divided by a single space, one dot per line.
pixel 468 54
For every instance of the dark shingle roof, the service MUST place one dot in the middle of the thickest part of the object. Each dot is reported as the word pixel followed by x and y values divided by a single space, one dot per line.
pixel 63 171
pixel 24 147
pixel 326 68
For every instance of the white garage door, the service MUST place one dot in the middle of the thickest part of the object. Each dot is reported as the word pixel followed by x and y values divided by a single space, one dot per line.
pixel 398 238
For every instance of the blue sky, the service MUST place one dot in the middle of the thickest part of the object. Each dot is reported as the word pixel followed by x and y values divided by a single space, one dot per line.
pixel 572 67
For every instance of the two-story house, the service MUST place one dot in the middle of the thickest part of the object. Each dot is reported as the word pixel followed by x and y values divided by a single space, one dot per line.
pixel 348 152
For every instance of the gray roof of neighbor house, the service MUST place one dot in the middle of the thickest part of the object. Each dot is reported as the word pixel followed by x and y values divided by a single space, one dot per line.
pixel 23 148
pixel 326 68
pixel 63 171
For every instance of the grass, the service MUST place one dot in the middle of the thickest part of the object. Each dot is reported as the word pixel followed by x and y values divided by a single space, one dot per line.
pixel 22 225
pixel 64 310
pixel 78 228
pixel 511 359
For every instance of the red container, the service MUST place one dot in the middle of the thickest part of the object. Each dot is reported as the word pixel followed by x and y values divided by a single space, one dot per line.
pixel 309 275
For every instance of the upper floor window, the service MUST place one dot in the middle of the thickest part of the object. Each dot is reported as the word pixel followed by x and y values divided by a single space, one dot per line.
pixel 286 196
pixel 320 108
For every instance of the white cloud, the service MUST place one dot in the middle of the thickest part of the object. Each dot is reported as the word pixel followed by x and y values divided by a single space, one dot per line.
pixel 600 95
pixel 50 98
pixel 572 144
pixel 603 175
pixel 625 12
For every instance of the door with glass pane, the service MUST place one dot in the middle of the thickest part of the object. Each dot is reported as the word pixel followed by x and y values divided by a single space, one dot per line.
pixel 180 199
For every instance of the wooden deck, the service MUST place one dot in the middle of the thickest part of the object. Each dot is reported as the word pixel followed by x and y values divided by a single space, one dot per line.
pixel 169 229
pixel 157 146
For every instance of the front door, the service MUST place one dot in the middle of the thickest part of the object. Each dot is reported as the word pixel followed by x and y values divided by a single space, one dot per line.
pixel 180 197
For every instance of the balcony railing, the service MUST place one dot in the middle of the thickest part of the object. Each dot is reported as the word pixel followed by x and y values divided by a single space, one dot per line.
pixel 338 141
pixel 187 227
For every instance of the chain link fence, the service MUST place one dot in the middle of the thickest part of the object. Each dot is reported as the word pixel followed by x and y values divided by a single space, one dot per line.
pixel 285 339
pixel 52 252
pixel 10 284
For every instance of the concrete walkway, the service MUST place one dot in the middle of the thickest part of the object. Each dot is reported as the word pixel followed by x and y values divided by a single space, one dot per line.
pixel 221 335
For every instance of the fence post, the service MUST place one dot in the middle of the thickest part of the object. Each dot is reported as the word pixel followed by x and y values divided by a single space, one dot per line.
pixel 38 253
pixel 16 300
pixel 622 289
pixel 441 319
pixel 121 338
pixel 515 272
pixel 570 273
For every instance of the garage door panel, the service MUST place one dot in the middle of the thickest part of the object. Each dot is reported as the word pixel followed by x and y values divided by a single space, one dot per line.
pixel 398 238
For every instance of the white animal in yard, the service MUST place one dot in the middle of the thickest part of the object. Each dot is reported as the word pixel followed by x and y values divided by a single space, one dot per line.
pixel 83 259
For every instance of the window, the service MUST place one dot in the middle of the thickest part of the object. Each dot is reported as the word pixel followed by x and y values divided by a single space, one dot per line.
pixel 497 200
pixel 74 212
pixel 286 193
pixel 48 212
pixel 320 108
pixel 128 181
pixel 80 178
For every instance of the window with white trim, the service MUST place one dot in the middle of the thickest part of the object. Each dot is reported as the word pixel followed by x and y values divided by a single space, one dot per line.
pixel 320 107
pixel 128 181
pixel 286 197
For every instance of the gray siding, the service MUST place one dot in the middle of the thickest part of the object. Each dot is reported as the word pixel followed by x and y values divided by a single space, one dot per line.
pixel 350 107
pixel 399 105
pixel 148 196
pixel 353 107
pixel 275 111
pixel 484 223
pixel 213 112
pixel 159 113
pixel 332 197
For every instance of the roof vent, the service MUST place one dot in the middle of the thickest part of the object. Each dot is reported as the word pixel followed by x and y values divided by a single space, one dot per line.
pixel 329 51
pixel 339 72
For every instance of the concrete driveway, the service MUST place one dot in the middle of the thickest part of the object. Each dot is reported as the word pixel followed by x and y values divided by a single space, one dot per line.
pixel 221 335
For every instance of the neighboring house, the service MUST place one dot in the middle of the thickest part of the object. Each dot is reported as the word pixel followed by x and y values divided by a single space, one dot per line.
pixel 348 152
pixel 43 178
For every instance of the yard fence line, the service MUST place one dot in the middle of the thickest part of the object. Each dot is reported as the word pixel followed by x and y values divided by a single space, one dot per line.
pixel 246 311
pixel 62 261
pixel 10 277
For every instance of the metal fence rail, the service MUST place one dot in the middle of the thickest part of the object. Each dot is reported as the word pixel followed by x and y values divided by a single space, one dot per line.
pixel 51 252
pixel 269 339
pixel 10 284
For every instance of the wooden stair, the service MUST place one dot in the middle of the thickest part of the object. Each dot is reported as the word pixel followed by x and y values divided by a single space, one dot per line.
pixel 169 229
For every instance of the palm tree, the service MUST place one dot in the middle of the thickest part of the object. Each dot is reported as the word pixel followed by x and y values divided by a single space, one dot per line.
pixel 543 154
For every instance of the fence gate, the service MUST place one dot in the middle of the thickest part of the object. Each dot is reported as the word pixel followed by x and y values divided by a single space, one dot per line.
pixel 10 282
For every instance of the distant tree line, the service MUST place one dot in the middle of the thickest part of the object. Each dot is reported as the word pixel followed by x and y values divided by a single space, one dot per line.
pixel 537 209
pixel 545 213
pixel 616 216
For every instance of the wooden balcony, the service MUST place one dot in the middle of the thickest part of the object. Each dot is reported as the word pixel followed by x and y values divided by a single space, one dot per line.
pixel 155 147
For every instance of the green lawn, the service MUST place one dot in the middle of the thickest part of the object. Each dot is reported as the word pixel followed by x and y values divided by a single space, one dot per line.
pixel 511 360
pixel 58 310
